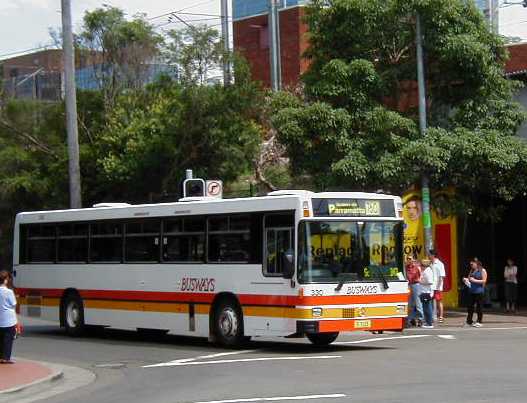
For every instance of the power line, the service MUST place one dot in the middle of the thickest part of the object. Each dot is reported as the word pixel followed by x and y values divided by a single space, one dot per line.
pixel 169 14
pixel 181 10
pixel 27 50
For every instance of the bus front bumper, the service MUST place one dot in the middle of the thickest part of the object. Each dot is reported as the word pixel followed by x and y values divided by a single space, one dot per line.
pixel 348 325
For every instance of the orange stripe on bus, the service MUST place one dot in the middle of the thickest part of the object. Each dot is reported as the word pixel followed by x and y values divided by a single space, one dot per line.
pixel 207 298
pixel 353 299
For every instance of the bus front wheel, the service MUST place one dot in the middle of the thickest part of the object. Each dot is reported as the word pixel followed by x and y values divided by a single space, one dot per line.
pixel 73 315
pixel 228 324
pixel 322 339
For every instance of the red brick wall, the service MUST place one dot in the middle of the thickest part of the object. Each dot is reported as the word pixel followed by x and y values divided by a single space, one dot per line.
pixel 49 60
pixel 518 58
pixel 249 41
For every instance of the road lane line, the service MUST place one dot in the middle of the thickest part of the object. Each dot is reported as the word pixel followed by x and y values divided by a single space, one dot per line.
pixel 415 336
pixel 502 328
pixel 446 336
pixel 466 328
pixel 279 398
pixel 295 358
pixel 203 357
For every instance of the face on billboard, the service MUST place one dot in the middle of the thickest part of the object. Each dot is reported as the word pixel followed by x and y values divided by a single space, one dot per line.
pixel 413 209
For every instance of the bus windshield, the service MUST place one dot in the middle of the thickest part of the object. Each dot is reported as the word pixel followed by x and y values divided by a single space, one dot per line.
pixel 333 251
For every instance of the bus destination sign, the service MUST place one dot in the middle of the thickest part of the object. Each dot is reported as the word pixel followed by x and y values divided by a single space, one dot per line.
pixel 353 208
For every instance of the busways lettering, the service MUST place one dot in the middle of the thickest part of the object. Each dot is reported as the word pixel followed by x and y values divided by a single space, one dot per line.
pixel 198 284
pixel 362 289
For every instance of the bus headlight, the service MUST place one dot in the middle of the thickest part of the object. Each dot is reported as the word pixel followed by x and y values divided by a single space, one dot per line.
pixel 401 309
pixel 316 312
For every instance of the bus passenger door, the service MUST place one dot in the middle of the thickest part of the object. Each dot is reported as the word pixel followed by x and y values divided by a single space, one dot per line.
pixel 277 242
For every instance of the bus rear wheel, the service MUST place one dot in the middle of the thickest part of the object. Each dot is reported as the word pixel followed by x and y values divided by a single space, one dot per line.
pixel 228 324
pixel 74 316
pixel 322 339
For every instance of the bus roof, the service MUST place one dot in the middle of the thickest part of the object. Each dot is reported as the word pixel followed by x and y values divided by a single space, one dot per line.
pixel 275 201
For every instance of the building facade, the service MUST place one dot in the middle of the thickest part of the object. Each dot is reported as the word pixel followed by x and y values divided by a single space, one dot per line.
pixel 490 9
pixel 251 38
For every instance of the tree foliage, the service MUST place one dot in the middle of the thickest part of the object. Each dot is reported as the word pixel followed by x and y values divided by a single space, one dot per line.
pixel 136 140
pixel 152 136
pixel 196 51
pixel 357 128
pixel 120 50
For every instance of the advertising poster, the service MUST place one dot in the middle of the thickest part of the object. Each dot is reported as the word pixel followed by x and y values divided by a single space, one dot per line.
pixel 444 230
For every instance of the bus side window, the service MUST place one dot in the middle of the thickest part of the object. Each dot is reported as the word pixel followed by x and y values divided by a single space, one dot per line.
pixel 41 243
pixel 72 241
pixel 278 239
pixel 184 240
pixel 229 238
pixel 106 241
pixel 142 241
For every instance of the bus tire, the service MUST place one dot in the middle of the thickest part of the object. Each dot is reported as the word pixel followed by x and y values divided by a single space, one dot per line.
pixel 228 323
pixel 74 315
pixel 322 339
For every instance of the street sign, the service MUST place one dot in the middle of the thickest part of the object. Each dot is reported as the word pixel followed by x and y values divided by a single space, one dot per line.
pixel 215 189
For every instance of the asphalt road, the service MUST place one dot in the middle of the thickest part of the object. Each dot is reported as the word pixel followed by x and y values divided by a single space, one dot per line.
pixel 441 365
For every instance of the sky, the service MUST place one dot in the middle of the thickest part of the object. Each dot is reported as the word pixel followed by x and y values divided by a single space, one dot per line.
pixel 24 24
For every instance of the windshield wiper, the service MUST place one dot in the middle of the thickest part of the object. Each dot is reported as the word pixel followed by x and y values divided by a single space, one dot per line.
pixel 383 279
pixel 341 283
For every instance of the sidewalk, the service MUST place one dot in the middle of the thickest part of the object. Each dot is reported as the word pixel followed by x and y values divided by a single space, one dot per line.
pixel 491 318
pixel 25 374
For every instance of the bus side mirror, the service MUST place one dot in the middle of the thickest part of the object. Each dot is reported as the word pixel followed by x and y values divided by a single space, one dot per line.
pixel 288 264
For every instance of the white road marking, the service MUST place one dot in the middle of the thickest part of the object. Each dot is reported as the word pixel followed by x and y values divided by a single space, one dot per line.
pixel 415 336
pixel 463 328
pixel 180 364
pixel 503 328
pixel 446 336
pixel 280 398
pixel 201 357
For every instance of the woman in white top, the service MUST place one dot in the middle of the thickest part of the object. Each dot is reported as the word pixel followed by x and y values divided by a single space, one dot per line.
pixel 427 293
pixel 8 320
pixel 510 273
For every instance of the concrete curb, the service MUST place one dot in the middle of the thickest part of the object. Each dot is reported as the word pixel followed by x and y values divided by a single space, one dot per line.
pixel 64 378
pixel 56 375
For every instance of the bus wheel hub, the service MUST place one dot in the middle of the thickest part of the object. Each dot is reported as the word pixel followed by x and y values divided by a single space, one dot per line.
pixel 228 322
pixel 72 315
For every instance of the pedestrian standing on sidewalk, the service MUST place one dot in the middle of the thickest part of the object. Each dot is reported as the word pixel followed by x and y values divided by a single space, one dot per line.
pixel 415 307
pixel 8 320
pixel 477 278
pixel 439 278
pixel 427 293
pixel 511 286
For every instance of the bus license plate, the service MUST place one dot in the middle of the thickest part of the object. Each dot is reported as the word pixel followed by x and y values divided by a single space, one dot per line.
pixel 361 324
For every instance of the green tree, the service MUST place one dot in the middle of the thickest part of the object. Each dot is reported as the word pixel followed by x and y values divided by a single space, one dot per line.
pixel 197 52
pixel 34 169
pixel 357 128
pixel 120 50
pixel 152 136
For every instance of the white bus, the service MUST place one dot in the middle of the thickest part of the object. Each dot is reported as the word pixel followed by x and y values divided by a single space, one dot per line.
pixel 293 263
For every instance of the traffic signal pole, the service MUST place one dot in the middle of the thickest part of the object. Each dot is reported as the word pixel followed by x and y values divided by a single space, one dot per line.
pixel 71 107
pixel 425 181
pixel 226 43
pixel 274 46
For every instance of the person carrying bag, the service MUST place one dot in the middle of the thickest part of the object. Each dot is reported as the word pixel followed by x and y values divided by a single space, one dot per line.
pixel 9 326
pixel 427 294
pixel 476 279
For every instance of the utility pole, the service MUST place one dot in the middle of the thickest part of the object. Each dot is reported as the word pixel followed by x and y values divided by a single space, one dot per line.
pixel 226 42
pixel 274 45
pixel 71 106
pixel 425 182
